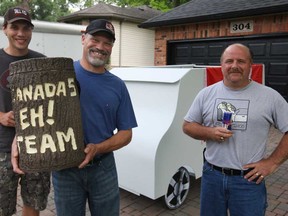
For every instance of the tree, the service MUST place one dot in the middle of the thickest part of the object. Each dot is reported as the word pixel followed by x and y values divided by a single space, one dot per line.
pixel 163 5
pixel 51 10
pixel 48 10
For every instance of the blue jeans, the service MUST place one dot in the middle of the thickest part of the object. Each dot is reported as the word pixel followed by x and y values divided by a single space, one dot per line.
pixel 97 183
pixel 220 193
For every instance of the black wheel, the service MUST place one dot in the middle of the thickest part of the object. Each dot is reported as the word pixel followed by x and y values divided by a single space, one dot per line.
pixel 178 189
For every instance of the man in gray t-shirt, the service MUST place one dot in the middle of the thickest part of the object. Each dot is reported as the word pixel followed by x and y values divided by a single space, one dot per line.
pixel 234 116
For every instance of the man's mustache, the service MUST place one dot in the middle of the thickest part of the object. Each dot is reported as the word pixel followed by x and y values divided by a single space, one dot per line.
pixel 102 52
pixel 235 70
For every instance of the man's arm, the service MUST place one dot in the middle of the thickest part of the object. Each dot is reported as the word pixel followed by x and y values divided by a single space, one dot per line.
pixel 280 154
pixel 268 165
pixel 15 157
pixel 7 119
pixel 117 141
pixel 200 132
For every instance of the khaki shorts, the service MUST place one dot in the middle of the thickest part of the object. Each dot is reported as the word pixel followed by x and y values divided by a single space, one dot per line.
pixel 35 187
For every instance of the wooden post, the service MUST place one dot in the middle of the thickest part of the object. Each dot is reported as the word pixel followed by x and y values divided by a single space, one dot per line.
pixel 46 106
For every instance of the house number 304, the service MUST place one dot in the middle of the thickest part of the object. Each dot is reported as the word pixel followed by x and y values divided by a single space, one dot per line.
pixel 244 26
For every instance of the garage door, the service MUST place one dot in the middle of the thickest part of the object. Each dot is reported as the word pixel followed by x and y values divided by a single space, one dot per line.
pixel 270 50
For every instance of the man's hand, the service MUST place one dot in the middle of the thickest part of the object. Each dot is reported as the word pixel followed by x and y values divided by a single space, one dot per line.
pixel 90 151
pixel 15 157
pixel 267 166
pixel 200 132
pixel 7 119
pixel 260 170
pixel 220 134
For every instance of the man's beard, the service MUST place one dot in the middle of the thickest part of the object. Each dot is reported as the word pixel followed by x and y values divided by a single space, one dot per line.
pixel 97 62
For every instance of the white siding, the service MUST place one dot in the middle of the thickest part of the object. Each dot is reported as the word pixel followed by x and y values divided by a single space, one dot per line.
pixel 115 56
pixel 133 46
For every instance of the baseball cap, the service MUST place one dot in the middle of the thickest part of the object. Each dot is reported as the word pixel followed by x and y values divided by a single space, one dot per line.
pixel 14 14
pixel 100 25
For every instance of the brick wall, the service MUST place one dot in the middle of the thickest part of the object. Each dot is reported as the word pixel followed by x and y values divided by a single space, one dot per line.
pixel 261 25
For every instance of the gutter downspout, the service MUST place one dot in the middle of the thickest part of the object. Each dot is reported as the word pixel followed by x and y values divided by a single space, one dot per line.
pixel 120 44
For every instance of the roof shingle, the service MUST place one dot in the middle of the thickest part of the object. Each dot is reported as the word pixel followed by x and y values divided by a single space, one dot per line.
pixel 207 10
pixel 135 14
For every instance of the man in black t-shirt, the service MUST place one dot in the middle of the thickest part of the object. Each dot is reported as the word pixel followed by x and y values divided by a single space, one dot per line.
pixel 35 187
